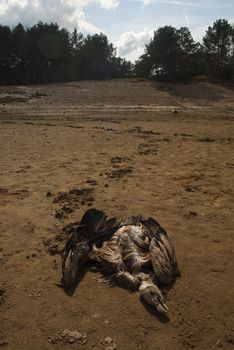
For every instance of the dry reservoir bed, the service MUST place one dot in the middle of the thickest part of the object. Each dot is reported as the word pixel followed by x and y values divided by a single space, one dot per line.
pixel 126 147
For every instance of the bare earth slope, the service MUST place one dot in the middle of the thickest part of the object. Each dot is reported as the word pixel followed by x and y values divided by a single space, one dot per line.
pixel 127 147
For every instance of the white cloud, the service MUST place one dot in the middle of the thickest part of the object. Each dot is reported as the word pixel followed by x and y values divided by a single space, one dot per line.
pixel 109 4
pixel 106 4
pixel 170 2
pixel 67 13
pixel 146 2
pixel 131 44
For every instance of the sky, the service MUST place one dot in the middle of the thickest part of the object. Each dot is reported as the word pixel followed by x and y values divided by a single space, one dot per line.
pixel 128 24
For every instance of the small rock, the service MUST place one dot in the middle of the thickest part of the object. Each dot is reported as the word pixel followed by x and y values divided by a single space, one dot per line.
pixel 190 189
pixel 68 336
pixel 33 255
pixel 67 209
pixel 59 215
pixel 190 214
pixel 54 249
pixel 76 334
pixel 108 340
pixel 48 194
pixel 27 257
pixel 219 343
pixel 66 332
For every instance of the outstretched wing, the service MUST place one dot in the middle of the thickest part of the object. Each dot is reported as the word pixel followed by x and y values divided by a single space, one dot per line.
pixel 85 229
pixel 162 252
pixel 92 221
pixel 94 227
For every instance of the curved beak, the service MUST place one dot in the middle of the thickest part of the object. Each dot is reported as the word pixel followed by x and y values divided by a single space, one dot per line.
pixel 162 308
pixel 160 305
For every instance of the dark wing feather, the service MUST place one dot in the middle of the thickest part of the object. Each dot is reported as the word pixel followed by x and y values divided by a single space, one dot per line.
pixel 88 227
pixel 162 251
pixel 94 227
pixel 105 232
pixel 153 228
pixel 133 220
pixel 92 221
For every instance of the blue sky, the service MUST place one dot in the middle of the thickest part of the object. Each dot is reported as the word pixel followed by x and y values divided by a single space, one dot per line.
pixel 129 24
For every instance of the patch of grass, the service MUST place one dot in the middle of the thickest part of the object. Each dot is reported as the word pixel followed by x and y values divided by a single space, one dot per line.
pixel 39 94
pixel 10 99
pixel 117 174
pixel 12 92
pixel 204 139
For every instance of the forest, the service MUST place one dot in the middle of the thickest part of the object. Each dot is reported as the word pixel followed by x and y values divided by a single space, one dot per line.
pixel 46 53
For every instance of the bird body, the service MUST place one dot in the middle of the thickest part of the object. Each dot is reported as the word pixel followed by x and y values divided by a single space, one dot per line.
pixel 136 253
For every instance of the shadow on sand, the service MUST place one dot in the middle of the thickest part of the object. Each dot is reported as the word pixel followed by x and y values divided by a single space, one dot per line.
pixel 81 275
pixel 162 318
pixel 197 91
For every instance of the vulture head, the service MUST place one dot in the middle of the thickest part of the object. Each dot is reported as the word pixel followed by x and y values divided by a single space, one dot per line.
pixel 153 296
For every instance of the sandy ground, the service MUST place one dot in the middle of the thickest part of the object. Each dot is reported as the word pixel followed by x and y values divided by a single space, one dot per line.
pixel 127 147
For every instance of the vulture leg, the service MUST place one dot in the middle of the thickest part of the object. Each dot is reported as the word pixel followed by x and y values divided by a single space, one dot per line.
pixel 127 280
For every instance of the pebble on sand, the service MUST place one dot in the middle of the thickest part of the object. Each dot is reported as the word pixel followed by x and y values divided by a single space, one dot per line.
pixel 108 340
pixel 111 343
pixel 68 336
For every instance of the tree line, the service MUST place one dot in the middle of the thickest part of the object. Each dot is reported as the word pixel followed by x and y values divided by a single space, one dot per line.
pixel 46 53
pixel 173 55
